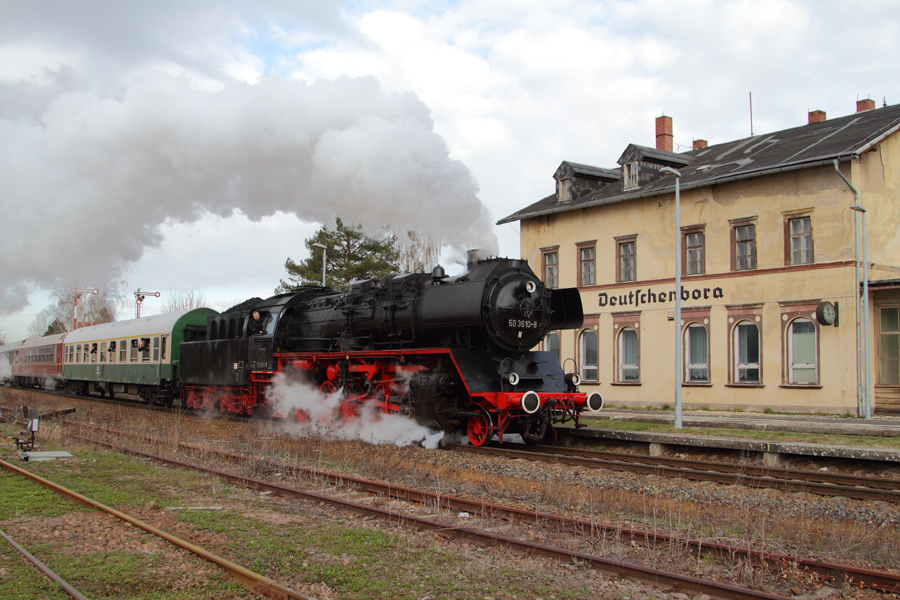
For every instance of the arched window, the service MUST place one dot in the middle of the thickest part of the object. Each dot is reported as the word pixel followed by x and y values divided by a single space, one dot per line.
pixel 629 356
pixel 213 331
pixel 802 352
pixel 588 353
pixel 696 354
pixel 746 353
pixel 551 344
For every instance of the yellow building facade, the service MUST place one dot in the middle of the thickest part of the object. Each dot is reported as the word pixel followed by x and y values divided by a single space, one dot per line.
pixel 767 246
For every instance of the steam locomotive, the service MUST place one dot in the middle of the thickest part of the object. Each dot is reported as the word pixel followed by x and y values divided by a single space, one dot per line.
pixel 454 353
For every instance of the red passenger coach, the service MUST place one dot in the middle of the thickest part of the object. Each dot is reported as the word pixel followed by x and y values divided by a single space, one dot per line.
pixel 37 362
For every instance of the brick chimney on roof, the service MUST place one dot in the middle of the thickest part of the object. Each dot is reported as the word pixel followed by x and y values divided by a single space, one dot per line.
pixel 664 134
pixel 816 116
pixel 700 144
pixel 867 104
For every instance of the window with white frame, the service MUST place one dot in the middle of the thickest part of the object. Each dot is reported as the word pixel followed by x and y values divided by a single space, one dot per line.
pixel 630 172
pixel 627 260
pixel 588 266
pixel 802 352
pixel 746 353
pixel 801 240
pixel 551 344
pixel 588 354
pixel 695 253
pixel 629 356
pixel 745 247
pixel 890 346
pixel 551 269
pixel 696 353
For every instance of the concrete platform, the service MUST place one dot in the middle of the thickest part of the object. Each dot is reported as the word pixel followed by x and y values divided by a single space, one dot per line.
pixel 770 452
pixel 42 456
pixel 877 426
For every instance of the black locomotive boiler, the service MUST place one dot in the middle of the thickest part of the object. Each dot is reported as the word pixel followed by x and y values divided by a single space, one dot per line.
pixel 453 352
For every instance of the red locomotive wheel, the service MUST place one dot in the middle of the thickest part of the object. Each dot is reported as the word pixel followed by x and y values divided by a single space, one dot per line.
pixel 479 429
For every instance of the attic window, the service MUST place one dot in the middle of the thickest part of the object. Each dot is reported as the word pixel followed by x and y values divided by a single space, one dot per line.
pixel 630 175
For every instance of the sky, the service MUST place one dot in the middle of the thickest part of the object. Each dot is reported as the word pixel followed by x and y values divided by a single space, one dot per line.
pixel 179 145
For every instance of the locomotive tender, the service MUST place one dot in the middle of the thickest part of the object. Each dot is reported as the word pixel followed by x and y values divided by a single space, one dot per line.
pixel 455 353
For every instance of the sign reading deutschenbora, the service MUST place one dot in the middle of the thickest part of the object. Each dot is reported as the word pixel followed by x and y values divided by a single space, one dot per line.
pixel 641 297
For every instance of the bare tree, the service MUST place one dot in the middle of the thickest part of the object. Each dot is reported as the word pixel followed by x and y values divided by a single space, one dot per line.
pixel 40 323
pixel 420 255
pixel 92 308
pixel 179 300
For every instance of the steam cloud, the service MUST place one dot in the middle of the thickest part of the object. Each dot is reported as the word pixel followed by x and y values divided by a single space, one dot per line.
pixel 372 426
pixel 88 185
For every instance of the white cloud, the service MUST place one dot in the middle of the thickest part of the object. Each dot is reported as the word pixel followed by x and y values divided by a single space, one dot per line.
pixel 512 86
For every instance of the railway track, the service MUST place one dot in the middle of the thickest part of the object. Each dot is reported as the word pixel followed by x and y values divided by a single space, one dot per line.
pixel 832 572
pixel 789 480
pixel 617 568
pixel 43 568
pixel 253 582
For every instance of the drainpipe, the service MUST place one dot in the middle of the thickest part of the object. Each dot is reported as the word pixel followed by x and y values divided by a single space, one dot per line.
pixel 862 399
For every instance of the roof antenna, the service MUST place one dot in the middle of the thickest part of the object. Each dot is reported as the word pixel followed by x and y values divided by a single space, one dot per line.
pixel 751 114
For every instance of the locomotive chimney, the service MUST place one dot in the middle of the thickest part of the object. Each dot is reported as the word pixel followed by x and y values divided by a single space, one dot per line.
pixel 472 259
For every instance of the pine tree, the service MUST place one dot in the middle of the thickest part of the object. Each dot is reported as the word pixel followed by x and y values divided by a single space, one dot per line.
pixel 350 255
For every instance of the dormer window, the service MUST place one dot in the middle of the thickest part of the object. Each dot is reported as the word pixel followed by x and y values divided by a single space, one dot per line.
pixel 630 175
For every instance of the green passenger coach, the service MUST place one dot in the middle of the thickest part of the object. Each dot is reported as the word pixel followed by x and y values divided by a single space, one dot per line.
pixel 139 357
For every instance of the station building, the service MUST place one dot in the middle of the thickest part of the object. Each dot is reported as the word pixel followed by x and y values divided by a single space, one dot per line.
pixel 772 273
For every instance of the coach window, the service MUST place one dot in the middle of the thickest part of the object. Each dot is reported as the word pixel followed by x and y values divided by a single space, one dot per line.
pixel 746 353
pixel 156 349
pixel 587 347
pixel 94 352
pixel 123 351
pixel 551 344
pixel 112 351
pixel 103 352
pixel 134 351
pixel 78 353
pixel 163 355
pixel 696 353
pixel 802 352
pixel 629 356
pixel 145 349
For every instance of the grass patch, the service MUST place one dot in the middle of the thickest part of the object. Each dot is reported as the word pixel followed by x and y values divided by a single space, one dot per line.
pixel 20 497
pixel 371 563
pixel 20 580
